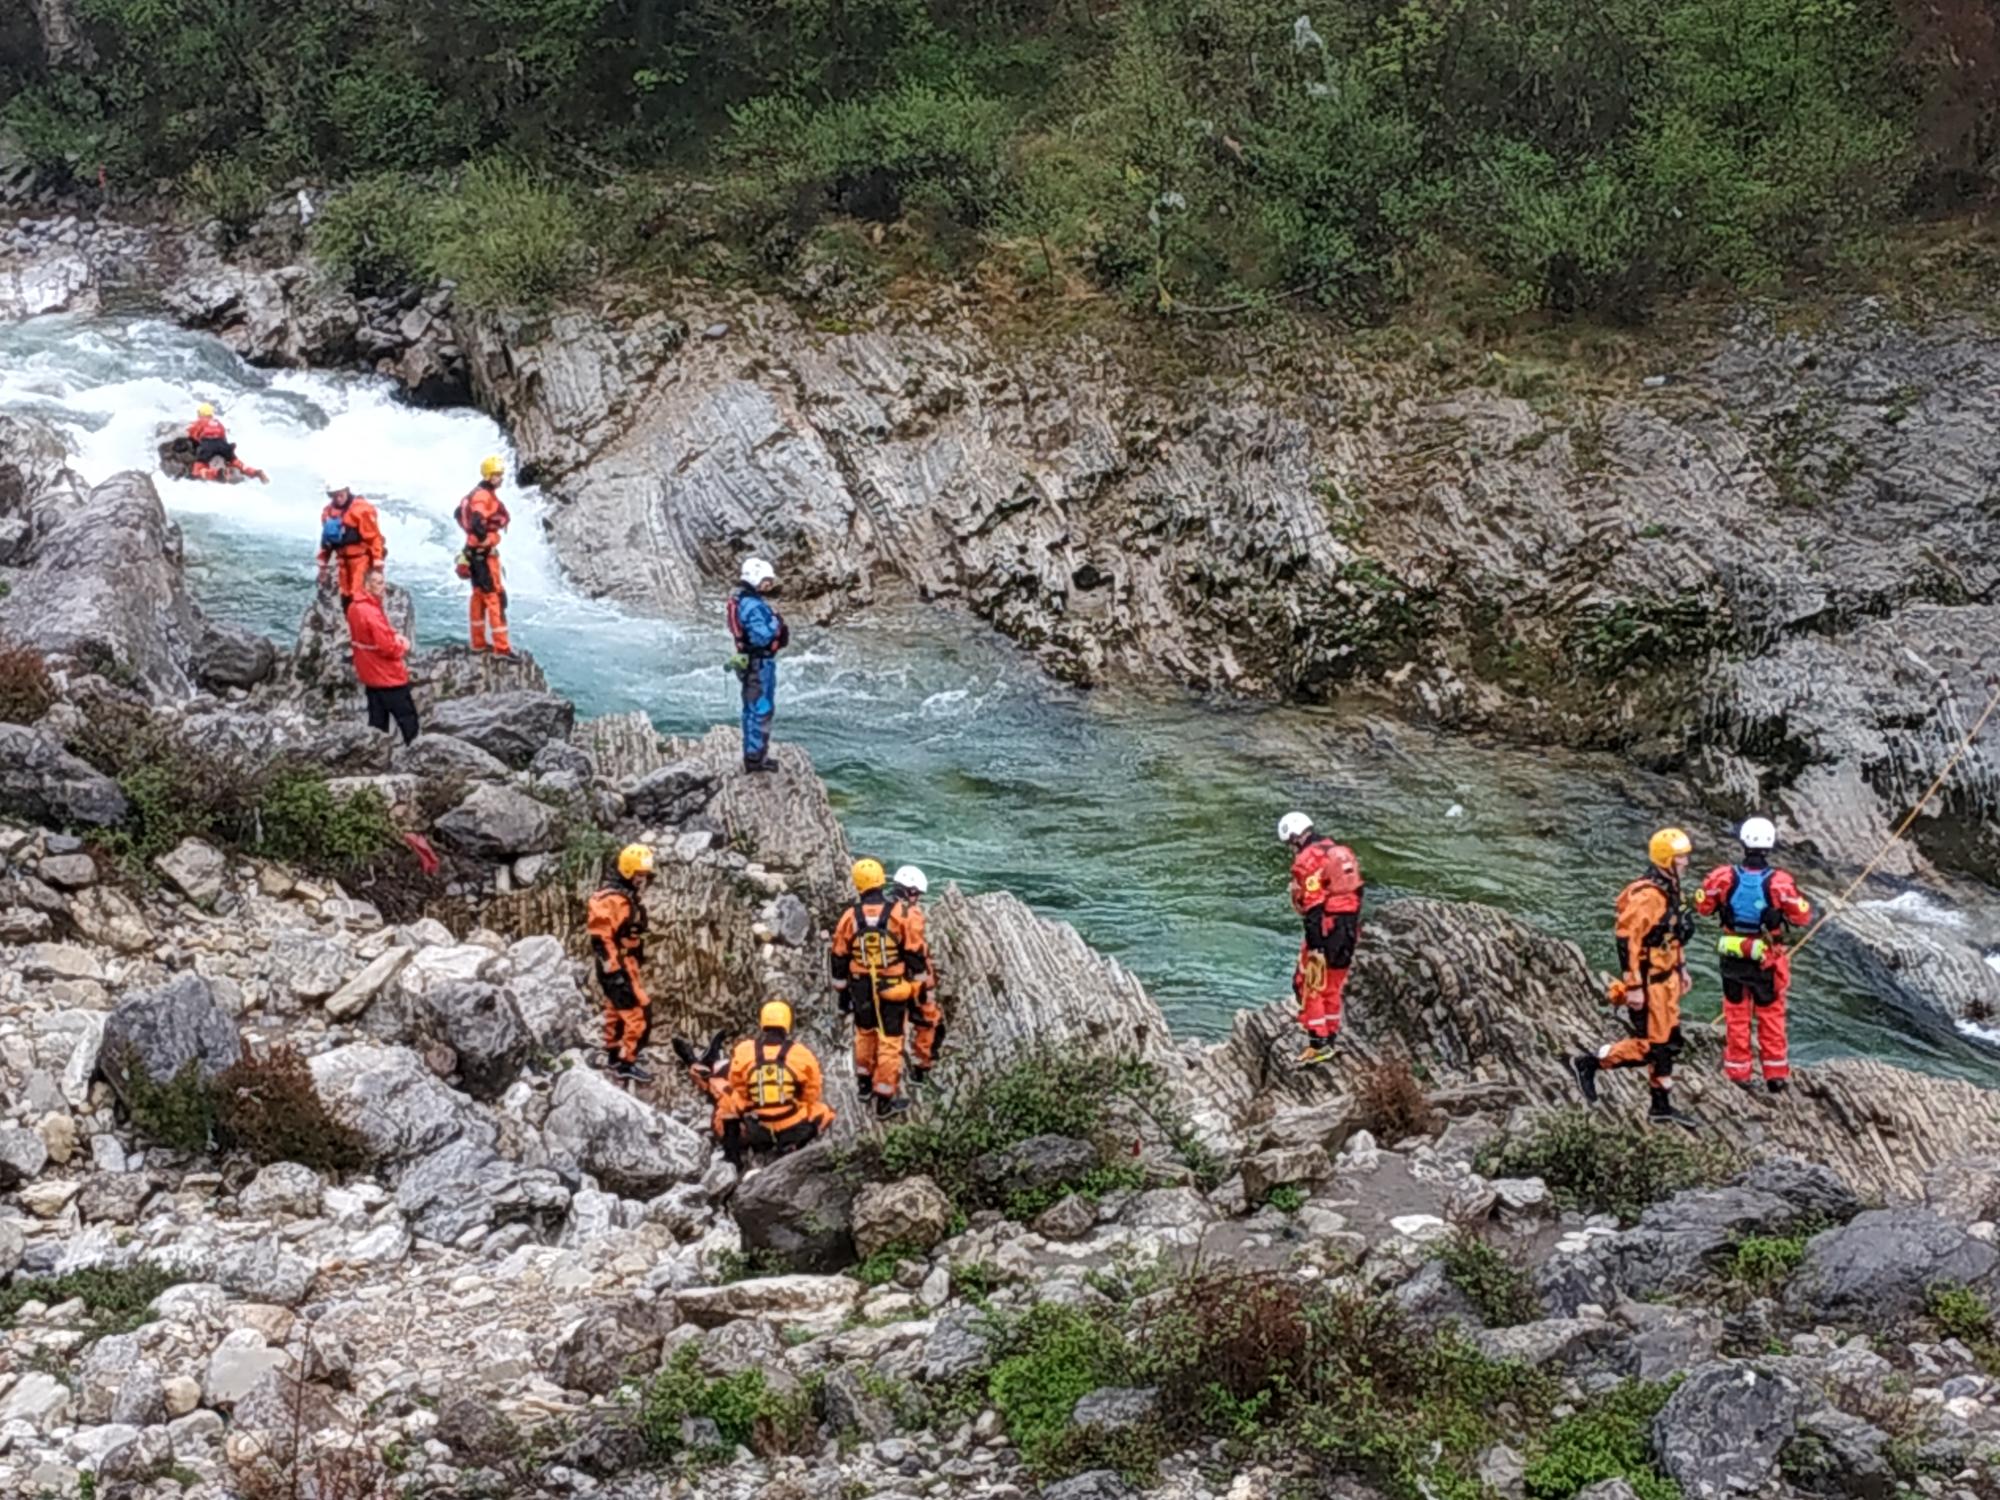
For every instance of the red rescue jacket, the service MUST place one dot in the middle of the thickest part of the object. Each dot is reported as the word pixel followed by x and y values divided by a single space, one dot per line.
pixel 1325 877
pixel 206 427
pixel 378 651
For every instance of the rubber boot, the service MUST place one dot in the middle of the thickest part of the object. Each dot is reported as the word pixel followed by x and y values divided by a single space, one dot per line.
pixel 684 1050
pixel 889 1108
pixel 1664 1113
pixel 631 1072
pixel 1776 1085
pixel 1585 1068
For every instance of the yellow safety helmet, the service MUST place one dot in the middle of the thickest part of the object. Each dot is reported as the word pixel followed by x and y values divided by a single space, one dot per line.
pixel 490 467
pixel 635 859
pixel 204 410
pixel 775 1016
pixel 869 875
pixel 1668 845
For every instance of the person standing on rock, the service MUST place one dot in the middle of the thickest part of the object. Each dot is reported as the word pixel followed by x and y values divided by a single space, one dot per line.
pixel 1326 893
pixel 350 541
pixel 381 658
pixel 1653 929
pixel 213 452
pixel 760 634
pixel 483 518
pixel 907 887
pixel 878 964
pixel 1755 904
pixel 616 919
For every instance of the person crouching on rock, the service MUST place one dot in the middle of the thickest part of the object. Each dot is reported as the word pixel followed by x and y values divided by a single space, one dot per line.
pixel 1653 929
pixel 616 918
pixel 381 658
pixel 878 963
pixel 1326 893
pixel 213 452
pixel 773 1097
pixel 1755 904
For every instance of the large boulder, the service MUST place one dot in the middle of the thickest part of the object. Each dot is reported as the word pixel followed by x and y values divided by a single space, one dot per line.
pixel 23 1154
pixel 445 768
pixel 630 1147
pixel 468 1186
pixel 912 1214
pixel 786 1298
pixel 1721 1431
pixel 400 1107
pixel 478 1022
pixel 498 822
pixel 196 868
pixel 230 656
pixel 1965 1190
pixel 1042 1161
pixel 164 1030
pixel 541 985
pixel 606 1349
pixel 41 782
pixel 1880 1267
pixel 512 726
pixel 800 1209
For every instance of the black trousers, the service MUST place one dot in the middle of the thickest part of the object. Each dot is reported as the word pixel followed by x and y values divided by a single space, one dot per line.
pixel 385 704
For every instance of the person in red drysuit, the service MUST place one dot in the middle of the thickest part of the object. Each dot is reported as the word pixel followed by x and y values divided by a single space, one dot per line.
pixel 1326 893
pixel 1755 904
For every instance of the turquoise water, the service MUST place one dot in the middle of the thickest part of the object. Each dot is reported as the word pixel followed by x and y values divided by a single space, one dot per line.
pixel 1145 820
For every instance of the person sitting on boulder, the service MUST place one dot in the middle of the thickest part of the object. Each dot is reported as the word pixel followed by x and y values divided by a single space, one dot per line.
pixel 772 1098
pixel 214 454
pixel 381 659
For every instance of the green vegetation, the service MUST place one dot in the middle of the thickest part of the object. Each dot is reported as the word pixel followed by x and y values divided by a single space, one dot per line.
pixel 1286 1198
pixel 1602 1165
pixel 1187 155
pixel 1054 1356
pixel 1961 1313
pixel 1607 1439
pixel 264 1104
pixel 742 1406
pixel 1764 1263
pixel 26 690
pixel 879 1269
pixel 178 1113
pixel 1492 1282
pixel 300 820
pixel 115 1300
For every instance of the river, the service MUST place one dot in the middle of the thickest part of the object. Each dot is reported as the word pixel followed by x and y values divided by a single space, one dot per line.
pixel 1145 820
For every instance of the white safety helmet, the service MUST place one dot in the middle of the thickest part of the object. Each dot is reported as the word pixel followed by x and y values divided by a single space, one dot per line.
pixel 757 572
pixel 1758 833
pixel 910 878
pixel 1291 825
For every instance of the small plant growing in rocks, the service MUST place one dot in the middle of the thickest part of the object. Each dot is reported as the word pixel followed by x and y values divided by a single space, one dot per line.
pixel 1287 1198
pixel 1606 1166
pixel 26 690
pixel 1763 1263
pixel 745 1411
pixel 178 1113
pixel 1607 1439
pixel 1392 1102
pixel 1961 1313
pixel 116 1299
pixel 1056 1356
pixel 266 1105
pixel 1492 1282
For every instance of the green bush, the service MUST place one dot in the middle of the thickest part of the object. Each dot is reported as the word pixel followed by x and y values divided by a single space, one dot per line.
pixel 116 1299
pixel 509 237
pixel 1500 1289
pixel 377 232
pixel 1286 1198
pixel 178 1113
pixel 1608 1439
pixel 742 1407
pixel 1961 1313
pixel 299 819
pixel 266 1104
pixel 879 1269
pixel 1050 1094
pixel 1764 1263
pixel 1604 1165
pixel 1055 1355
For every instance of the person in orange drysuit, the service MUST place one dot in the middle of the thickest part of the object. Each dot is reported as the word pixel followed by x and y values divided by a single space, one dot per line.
pixel 483 518
pixel 616 918
pixel 878 966
pixel 1653 929
pixel 772 1098
pixel 350 541
pixel 1326 893
pixel 1755 904
pixel 927 1028
pixel 213 452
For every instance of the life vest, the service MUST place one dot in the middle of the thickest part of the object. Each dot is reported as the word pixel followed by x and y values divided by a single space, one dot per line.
pixel 335 531
pixel 1746 907
pixel 1326 874
pixel 779 641
pixel 1674 928
pixel 875 952
pixel 774 1088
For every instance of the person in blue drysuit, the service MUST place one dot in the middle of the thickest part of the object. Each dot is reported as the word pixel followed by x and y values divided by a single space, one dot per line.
pixel 760 634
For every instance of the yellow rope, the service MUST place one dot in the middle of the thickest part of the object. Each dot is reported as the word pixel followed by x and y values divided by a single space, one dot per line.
pixel 1964 745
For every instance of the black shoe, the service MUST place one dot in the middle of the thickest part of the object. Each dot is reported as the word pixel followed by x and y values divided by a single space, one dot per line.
pixel 863 1085
pixel 1776 1085
pixel 717 1045
pixel 684 1050
pixel 917 1076
pixel 755 766
pixel 1585 1068
pixel 631 1072
pixel 1666 1114
pixel 887 1108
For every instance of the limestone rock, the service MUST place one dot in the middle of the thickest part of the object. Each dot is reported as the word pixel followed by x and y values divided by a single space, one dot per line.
pixel 605 1350
pixel 913 1214
pixel 1879 1266
pixel 627 1145
pixel 792 1298
pixel 230 656
pixel 283 1190
pixel 398 1106
pixel 41 780
pixel 180 1024
pixel 500 823
pixel 1721 1431
pixel 800 1208
pixel 196 868
pixel 23 1154
pixel 511 726
pixel 478 1022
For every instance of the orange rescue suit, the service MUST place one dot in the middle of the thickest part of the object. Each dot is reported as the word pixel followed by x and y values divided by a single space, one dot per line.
pixel 1652 930
pixel 881 965
pixel 617 923
pixel 1326 893
pixel 482 517
pixel 361 547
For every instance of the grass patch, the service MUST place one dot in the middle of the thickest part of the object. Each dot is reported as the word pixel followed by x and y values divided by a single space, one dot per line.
pixel 1764 1263
pixel 1490 1280
pixel 879 1269
pixel 743 1407
pixel 1054 1356
pixel 1607 1439
pixel 1604 1166
pixel 116 1300
pixel 1286 1198
pixel 1961 1313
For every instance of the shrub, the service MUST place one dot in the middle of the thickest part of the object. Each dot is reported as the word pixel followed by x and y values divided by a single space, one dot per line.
pixel 1494 1284
pixel 742 1407
pixel 377 233
pixel 116 1299
pixel 178 1113
pixel 1287 1198
pixel 1763 1263
pixel 26 690
pixel 1055 1355
pixel 1225 1348
pixel 879 1269
pixel 1608 1439
pixel 1961 1313
pixel 509 237
pixel 1391 1102
pixel 1602 1165
pixel 228 189
pixel 266 1105
pixel 299 819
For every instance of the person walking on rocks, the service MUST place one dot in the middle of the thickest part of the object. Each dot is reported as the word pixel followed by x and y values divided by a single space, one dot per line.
pixel 760 634
pixel 482 517
pixel 350 541
pixel 878 965
pixel 1326 893
pixel 1653 928
pixel 616 919
pixel 381 659
pixel 1755 904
